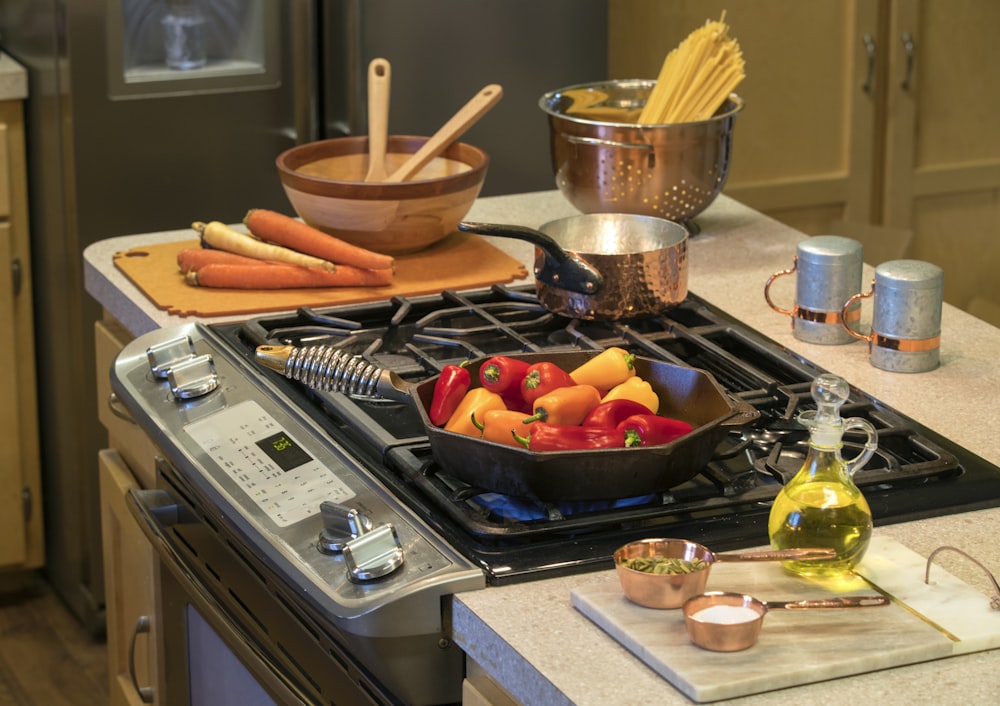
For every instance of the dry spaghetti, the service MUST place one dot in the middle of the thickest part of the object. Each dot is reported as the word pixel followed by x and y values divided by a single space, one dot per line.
pixel 696 77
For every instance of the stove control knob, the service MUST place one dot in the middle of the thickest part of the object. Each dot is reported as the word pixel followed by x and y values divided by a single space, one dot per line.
pixel 373 555
pixel 340 525
pixel 193 378
pixel 163 356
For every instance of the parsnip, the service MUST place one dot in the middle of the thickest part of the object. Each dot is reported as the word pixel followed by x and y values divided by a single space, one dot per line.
pixel 216 234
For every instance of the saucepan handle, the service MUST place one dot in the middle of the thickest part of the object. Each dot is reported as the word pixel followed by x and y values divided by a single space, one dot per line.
pixel 561 269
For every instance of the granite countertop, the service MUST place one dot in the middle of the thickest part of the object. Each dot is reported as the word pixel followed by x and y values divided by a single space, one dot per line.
pixel 531 640
pixel 13 79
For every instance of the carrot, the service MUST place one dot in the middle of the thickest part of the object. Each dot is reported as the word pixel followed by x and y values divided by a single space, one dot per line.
pixel 274 227
pixel 190 259
pixel 275 275
pixel 218 235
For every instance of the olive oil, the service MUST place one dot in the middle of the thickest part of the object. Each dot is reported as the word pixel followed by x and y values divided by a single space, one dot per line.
pixel 821 507
pixel 820 514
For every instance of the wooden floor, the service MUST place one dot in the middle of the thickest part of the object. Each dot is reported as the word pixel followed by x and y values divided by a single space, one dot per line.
pixel 47 658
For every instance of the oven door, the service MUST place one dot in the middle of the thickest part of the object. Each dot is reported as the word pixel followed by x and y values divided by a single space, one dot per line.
pixel 224 637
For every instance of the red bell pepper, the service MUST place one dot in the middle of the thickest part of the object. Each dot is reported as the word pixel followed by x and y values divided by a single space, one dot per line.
pixel 541 379
pixel 612 412
pixel 501 373
pixel 566 405
pixel 449 390
pixel 654 430
pixel 561 437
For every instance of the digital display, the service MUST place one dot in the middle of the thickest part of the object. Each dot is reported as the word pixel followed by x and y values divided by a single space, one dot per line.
pixel 283 451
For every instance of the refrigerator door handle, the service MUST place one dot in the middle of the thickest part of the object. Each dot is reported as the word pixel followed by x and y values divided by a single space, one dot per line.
pixel 305 59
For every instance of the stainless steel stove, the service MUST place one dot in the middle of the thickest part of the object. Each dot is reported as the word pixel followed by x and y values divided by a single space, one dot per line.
pixel 263 461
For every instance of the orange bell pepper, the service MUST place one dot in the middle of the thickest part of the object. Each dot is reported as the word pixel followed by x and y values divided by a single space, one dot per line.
pixel 476 402
pixel 500 426
pixel 565 405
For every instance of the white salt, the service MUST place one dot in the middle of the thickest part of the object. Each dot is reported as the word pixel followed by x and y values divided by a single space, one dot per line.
pixel 726 614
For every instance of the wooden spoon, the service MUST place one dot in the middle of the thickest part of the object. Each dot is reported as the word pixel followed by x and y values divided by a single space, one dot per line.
pixel 379 75
pixel 461 121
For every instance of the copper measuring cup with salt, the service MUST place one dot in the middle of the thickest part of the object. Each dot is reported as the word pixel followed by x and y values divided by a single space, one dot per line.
pixel 724 621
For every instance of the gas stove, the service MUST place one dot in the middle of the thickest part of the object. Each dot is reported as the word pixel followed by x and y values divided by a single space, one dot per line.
pixel 914 473
pixel 265 461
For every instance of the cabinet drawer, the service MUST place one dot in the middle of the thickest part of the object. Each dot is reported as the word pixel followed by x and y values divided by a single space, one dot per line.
pixel 125 435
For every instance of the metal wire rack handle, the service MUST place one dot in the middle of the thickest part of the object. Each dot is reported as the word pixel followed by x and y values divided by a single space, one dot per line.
pixel 994 600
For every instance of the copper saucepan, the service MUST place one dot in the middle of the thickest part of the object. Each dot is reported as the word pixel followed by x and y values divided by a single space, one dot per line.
pixel 604 265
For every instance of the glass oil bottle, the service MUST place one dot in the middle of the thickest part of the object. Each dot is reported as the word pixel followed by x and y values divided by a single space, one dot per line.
pixel 821 507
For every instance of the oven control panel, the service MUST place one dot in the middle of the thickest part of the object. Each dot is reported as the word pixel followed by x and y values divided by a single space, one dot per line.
pixel 268 463
pixel 263 471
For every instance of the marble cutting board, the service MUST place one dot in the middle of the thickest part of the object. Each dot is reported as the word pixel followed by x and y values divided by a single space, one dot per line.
pixel 924 622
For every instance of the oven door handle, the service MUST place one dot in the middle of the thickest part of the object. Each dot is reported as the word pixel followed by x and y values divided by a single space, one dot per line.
pixel 156 511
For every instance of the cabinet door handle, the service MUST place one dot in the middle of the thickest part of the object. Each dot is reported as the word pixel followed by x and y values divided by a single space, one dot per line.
pixel 907 40
pixel 141 627
pixel 870 53
pixel 118 409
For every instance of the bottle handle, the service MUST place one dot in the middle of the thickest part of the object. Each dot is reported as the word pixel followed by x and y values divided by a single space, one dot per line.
pixel 770 281
pixel 871 443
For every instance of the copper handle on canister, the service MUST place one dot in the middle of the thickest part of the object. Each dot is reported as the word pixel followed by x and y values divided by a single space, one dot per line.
pixel 847 305
pixel 770 281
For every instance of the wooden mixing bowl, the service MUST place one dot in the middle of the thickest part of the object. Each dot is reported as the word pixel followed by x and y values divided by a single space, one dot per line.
pixel 324 182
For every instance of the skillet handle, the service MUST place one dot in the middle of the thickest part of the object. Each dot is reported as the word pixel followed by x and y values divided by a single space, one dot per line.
pixel 561 269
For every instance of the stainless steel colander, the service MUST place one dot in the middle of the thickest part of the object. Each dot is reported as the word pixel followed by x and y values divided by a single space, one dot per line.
pixel 604 162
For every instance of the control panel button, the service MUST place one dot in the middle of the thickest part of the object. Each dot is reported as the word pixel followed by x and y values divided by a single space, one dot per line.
pixel 163 356
pixel 341 524
pixel 193 378
pixel 374 554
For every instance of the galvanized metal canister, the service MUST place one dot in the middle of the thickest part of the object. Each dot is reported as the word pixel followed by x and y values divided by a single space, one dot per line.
pixel 906 316
pixel 828 270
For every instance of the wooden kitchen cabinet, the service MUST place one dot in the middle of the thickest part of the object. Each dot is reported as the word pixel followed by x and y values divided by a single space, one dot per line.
pixel 870 119
pixel 21 523
pixel 130 595
pixel 129 559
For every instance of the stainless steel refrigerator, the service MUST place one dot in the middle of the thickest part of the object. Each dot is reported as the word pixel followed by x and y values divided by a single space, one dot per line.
pixel 120 142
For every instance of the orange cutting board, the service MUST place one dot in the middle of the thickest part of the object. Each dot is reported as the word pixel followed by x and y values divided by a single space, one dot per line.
pixel 460 261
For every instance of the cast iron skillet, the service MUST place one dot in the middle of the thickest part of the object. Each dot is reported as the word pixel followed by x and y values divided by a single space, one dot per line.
pixel 685 393
pixel 603 474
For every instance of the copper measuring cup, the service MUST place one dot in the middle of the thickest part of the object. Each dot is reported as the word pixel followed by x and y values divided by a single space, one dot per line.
pixel 737 626
pixel 653 590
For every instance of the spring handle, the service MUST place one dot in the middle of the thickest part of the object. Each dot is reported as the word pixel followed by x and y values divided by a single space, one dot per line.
pixel 323 368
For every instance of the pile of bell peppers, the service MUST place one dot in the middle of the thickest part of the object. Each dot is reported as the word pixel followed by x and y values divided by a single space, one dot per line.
pixel 601 404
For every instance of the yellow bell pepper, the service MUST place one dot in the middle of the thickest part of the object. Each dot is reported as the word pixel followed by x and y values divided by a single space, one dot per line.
pixel 476 401
pixel 637 390
pixel 608 368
